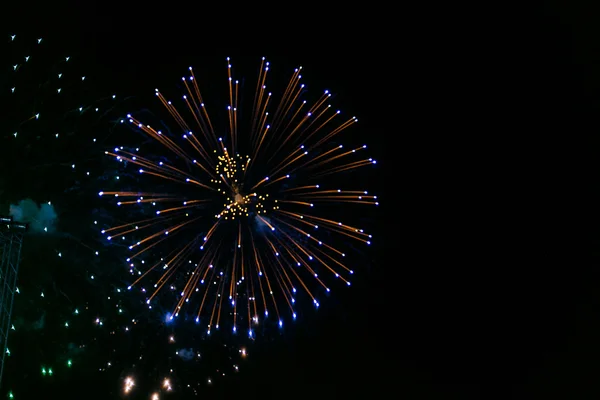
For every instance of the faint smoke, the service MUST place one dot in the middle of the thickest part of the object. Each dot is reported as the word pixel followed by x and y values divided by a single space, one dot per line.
pixel 73 349
pixel 40 323
pixel 186 354
pixel 41 218
pixel 27 323
pixel 263 223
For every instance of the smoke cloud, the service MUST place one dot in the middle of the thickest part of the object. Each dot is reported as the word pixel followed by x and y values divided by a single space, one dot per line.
pixel 41 218
pixel 186 354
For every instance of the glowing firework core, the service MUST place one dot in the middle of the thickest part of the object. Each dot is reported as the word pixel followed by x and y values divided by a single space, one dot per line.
pixel 232 171
pixel 237 197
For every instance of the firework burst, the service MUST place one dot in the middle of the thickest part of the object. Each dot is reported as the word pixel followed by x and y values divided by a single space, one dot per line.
pixel 243 220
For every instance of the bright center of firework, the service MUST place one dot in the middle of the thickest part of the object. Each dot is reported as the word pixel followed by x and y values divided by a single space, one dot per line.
pixel 232 171
pixel 238 197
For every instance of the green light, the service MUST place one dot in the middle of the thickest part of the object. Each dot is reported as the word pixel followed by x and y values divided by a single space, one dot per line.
pixel 69 363
pixel 43 371
pixel 10 395
pixel 67 324
pixel 50 371
pixel 76 311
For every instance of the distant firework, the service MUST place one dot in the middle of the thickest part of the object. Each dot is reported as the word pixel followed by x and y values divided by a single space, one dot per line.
pixel 43 92
pixel 49 108
pixel 242 225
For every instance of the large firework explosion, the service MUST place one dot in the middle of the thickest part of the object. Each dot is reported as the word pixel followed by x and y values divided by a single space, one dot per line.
pixel 241 219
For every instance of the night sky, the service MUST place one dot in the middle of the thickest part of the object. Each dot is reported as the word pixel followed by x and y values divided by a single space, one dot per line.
pixel 338 349
pixel 471 281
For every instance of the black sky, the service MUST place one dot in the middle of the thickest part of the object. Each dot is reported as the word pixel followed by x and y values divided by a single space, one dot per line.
pixel 476 281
